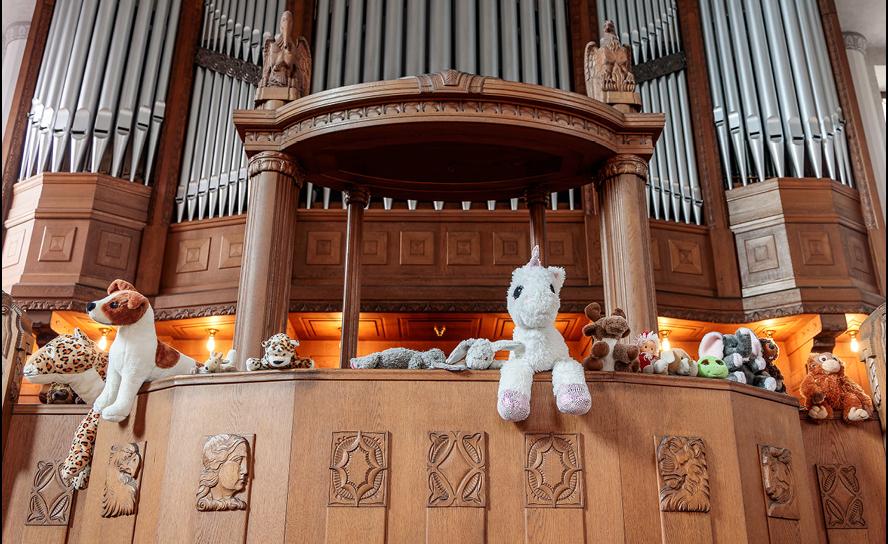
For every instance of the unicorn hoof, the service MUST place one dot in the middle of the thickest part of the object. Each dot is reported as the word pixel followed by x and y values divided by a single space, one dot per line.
pixel 573 399
pixel 513 405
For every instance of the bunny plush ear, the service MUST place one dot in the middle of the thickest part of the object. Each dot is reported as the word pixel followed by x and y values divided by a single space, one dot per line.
pixel 507 345
pixel 459 354
pixel 558 276
pixel 120 285
pixel 712 344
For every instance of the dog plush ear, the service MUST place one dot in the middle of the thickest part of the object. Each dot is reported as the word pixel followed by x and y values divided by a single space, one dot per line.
pixel 136 300
pixel 120 285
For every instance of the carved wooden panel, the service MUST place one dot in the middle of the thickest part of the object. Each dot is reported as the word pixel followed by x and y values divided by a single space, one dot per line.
pixel 417 247
pixel 50 499
pixel 463 248
pixel 684 257
pixel 457 469
pixel 778 481
pixel 232 249
pixel 358 468
pixel 553 471
pixel 121 494
pixel 419 327
pixel 510 248
pixel 114 250
pixel 194 255
pixel 324 248
pixel 375 248
pixel 559 248
pixel 12 251
pixel 761 253
pixel 58 243
pixel 858 254
pixel 840 496
pixel 226 471
pixel 655 255
pixel 816 248
pixel 682 474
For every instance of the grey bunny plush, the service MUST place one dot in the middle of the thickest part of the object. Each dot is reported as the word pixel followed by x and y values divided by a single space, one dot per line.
pixel 404 358
pixel 478 353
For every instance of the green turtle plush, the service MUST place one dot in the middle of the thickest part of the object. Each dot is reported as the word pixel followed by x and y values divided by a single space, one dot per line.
pixel 712 367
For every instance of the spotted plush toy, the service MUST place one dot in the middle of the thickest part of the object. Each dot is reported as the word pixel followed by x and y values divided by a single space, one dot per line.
pixel 280 353
pixel 74 360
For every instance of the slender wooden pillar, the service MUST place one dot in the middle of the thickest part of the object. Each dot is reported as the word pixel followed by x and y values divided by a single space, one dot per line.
pixel 263 296
pixel 627 271
pixel 351 296
pixel 536 205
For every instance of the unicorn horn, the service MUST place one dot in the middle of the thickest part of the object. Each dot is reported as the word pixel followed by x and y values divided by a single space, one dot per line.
pixel 534 257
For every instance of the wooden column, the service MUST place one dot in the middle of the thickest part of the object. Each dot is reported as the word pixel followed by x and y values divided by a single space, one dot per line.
pixel 263 296
pixel 627 271
pixel 351 296
pixel 536 205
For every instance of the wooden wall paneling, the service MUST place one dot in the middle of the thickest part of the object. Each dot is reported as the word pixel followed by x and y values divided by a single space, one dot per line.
pixel 20 104
pixel 36 439
pixel 834 442
pixel 584 28
pixel 721 239
pixel 17 340
pixel 683 260
pixel 245 412
pixel 861 163
pixel 169 152
pixel 554 487
pixel 202 256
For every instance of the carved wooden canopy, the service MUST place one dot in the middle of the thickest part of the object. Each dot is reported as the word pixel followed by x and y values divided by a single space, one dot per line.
pixel 448 136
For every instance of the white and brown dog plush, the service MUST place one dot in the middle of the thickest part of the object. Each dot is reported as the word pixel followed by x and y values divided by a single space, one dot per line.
pixel 136 356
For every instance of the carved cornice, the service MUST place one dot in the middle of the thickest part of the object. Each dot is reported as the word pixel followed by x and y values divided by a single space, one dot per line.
pixel 230 66
pixel 855 41
pixel 622 164
pixel 451 81
pixel 51 304
pixel 165 314
pixel 275 161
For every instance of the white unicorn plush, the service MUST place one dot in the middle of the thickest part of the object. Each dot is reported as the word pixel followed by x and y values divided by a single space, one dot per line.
pixel 533 305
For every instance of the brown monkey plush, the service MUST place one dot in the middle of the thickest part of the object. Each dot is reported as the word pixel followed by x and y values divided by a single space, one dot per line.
pixel 826 388
pixel 607 352
pixel 770 352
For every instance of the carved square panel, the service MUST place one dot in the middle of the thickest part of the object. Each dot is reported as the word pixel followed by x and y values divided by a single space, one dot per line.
pixel 463 248
pixel 12 246
pixel 232 250
pixel 761 253
pixel 417 247
pixel 358 468
pixel 49 502
pixel 194 255
pixel 457 469
pixel 655 254
pixel 840 496
pixel 778 482
pixel 58 243
pixel 559 248
pixel 114 250
pixel 120 497
pixel 684 257
pixel 324 247
pixel 858 254
pixel 816 248
pixel 553 471
pixel 682 474
pixel 375 245
pixel 510 248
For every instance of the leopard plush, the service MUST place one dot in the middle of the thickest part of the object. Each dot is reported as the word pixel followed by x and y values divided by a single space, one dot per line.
pixel 280 353
pixel 73 359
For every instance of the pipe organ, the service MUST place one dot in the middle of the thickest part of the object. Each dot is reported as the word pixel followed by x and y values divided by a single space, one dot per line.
pixel 650 28
pixel 100 97
pixel 775 104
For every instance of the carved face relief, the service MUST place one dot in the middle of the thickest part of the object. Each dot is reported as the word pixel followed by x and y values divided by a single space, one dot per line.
pixel 778 482
pixel 121 486
pixel 684 477
pixel 225 473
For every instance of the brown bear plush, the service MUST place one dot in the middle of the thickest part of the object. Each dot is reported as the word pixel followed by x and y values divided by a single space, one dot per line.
pixel 826 388
pixel 607 352
pixel 770 352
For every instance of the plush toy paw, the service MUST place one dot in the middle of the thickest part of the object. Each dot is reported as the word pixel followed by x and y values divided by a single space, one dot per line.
pixel 81 480
pixel 758 364
pixel 573 398
pixel 513 405
pixel 114 413
pixel 738 377
pixel 101 402
pixel 734 361
pixel 769 383
pixel 818 412
pixel 857 414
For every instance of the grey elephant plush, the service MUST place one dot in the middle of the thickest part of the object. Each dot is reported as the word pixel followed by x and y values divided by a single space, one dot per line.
pixel 478 353
pixel 404 358
pixel 742 353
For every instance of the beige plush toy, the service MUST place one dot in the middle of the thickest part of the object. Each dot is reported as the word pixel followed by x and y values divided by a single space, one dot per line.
pixel 676 362
pixel 280 354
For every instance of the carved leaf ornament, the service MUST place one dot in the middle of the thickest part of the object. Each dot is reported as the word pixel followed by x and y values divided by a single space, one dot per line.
pixel 457 469
pixel 553 470
pixel 358 469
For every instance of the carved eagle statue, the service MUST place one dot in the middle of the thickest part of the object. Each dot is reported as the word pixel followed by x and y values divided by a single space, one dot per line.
pixel 285 62
pixel 608 67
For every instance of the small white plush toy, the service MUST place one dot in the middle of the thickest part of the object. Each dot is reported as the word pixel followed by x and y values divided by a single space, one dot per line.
pixel 135 356
pixel 533 305
pixel 479 353
pixel 216 364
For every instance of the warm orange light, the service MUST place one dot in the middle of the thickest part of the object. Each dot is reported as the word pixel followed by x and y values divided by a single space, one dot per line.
pixel 855 345
pixel 103 341
pixel 211 341
pixel 664 341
